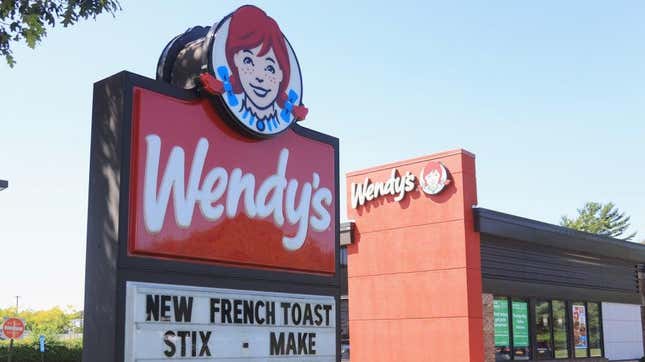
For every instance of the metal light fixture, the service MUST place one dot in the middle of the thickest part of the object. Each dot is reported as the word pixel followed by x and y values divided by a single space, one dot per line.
pixel 3 184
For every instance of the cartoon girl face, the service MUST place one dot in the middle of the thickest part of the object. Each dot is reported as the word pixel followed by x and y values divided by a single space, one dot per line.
pixel 258 56
pixel 435 178
pixel 259 72
pixel 432 178
pixel 260 76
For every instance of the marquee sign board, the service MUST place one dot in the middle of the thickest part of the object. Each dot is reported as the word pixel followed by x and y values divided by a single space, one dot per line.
pixel 193 217
pixel 166 321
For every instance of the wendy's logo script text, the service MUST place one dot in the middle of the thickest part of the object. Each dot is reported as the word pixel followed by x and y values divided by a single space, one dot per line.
pixel 218 193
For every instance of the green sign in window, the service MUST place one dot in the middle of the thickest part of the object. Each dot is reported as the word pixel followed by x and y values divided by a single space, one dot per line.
pixel 500 314
pixel 520 324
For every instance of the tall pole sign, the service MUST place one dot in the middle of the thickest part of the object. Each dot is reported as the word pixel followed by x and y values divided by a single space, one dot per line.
pixel 213 217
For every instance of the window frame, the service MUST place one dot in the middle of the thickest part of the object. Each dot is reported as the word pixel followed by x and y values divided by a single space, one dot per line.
pixel 509 317
pixel 532 318
pixel 551 325
pixel 587 329
pixel 342 257
pixel 536 301
pixel 572 342
pixel 530 328
pixel 569 330
pixel 600 330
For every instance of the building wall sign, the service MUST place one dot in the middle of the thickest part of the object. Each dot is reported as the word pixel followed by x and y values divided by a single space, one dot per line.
pixel 432 180
pixel 396 186
pixel 179 322
pixel 408 246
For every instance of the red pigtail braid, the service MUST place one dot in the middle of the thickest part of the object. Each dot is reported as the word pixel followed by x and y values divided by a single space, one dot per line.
pixel 235 83
pixel 282 99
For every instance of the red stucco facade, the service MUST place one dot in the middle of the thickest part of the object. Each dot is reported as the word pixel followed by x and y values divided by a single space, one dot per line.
pixel 414 270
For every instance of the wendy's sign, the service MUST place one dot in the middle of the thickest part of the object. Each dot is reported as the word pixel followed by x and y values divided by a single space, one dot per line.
pixel 251 56
pixel 246 64
pixel 200 191
pixel 213 214
pixel 203 192
pixel 433 178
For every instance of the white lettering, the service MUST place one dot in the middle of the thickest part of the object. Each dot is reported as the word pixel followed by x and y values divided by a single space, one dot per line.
pixel 297 214
pixel 275 196
pixel 155 203
pixel 237 185
pixel 218 177
pixel 273 185
pixel 322 219
pixel 358 196
pixel 396 186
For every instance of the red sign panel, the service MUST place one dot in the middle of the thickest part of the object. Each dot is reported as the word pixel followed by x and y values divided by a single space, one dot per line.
pixel 201 191
pixel 13 328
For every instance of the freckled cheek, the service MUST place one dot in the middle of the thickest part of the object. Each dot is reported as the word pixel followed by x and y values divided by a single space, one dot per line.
pixel 247 70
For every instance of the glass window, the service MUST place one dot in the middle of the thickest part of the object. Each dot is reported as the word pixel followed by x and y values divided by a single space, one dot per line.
pixel 562 329
pixel 343 255
pixel 520 325
pixel 593 315
pixel 544 344
pixel 501 329
pixel 560 340
pixel 579 324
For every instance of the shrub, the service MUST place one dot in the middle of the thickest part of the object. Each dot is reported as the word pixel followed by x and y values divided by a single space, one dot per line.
pixel 28 350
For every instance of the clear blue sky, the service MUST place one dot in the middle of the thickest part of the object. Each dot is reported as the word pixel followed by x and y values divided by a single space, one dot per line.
pixel 549 96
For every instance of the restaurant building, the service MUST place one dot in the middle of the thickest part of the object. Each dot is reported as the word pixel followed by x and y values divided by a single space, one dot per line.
pixel 431 276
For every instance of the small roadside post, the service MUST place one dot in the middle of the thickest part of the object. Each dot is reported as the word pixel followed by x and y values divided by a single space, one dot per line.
pixel 41 341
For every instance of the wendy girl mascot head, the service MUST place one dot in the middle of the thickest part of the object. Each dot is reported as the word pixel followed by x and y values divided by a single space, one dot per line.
pixel 260 66
pixel 247 64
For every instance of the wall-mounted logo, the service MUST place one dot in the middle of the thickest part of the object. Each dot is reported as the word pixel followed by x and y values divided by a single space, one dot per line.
pixel 246 64
pixel 433 178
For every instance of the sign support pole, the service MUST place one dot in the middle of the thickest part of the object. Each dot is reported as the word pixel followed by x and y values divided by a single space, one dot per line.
pixel 10 350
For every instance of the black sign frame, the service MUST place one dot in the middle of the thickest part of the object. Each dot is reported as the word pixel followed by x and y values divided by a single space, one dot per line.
pixel 108 264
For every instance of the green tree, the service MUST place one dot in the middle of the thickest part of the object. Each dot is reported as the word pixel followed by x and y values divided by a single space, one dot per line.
pixel 601 219
pixel 28 19
pixel 50 322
